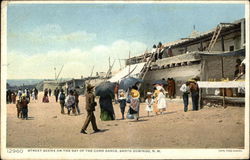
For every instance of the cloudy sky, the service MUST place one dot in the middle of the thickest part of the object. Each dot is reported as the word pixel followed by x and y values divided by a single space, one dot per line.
pixel 41 37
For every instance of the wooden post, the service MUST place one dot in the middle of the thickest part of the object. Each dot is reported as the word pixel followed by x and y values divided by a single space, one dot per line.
pixel 222 73
pixel 222 68
pixel 222 44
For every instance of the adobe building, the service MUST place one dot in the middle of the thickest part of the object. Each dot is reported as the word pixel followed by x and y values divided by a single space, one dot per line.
pixel 209 55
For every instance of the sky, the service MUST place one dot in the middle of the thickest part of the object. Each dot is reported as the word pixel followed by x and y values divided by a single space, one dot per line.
pixel 42 37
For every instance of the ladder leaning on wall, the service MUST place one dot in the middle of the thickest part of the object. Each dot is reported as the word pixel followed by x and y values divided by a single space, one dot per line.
pixel 216 35
pixel 146 67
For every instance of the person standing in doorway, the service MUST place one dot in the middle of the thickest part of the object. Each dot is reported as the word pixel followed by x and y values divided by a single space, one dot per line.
pixel 185 92
pixel 90 107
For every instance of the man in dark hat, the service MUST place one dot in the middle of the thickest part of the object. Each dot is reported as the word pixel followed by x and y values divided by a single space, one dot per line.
pixel 62 100
pixel 194 89
pixel 90 107
pixel 56 93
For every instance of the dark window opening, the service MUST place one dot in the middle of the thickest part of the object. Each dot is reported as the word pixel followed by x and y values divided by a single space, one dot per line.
pixel 231 48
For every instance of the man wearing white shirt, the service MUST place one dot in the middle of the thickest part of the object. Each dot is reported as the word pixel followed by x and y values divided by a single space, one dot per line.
pixel 185 90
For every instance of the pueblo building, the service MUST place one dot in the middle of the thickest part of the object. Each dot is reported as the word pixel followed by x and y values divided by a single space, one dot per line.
pixel 210 55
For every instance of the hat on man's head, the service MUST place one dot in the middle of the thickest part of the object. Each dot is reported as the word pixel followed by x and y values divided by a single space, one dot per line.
pixel 191 80
pixel 149 93
pixel 90 87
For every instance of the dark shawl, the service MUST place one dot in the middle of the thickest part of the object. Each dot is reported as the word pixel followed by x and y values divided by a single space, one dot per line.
pixel 106 104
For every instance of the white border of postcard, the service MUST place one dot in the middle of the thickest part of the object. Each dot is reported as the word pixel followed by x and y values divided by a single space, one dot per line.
pixel 115 153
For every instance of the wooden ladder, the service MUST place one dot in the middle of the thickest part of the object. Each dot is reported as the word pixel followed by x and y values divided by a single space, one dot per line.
pixel 146 67
pixel 215 37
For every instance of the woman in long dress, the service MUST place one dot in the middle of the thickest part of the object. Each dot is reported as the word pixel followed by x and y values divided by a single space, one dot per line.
pixel 107 110
pixel 45 96
pixel 135 102
pixel 161 100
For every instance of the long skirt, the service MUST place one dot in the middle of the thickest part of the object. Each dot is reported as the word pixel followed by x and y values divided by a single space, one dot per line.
pixel 106 116
pixel 45 99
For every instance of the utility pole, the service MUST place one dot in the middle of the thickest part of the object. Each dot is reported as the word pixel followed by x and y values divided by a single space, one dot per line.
pixel 55 72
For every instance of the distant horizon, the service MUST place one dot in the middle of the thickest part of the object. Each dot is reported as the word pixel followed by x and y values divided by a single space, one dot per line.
pixel 80 36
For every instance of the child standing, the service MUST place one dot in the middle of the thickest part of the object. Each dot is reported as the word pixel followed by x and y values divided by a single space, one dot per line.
pixel 70 102
pixel 122 101
pixel 24 105
pixel 149 102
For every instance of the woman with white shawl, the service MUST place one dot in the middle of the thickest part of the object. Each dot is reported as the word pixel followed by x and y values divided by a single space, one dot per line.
pixel 161 100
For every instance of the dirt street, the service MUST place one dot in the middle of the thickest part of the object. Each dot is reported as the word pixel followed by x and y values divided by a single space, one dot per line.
pixel 47 127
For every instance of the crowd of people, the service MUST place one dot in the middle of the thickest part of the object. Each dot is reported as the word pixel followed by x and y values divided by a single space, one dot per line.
pixel 21 98
pixel 155 101
pixel 13 95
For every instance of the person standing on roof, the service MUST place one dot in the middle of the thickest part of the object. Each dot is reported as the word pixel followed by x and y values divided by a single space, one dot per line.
pixel 160 49
pixel 169 51
pixel 154 49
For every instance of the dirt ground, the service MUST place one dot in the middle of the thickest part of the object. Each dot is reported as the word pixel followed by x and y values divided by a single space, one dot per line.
pixel 210 127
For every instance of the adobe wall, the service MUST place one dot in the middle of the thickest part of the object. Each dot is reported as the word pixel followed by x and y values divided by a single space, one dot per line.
pixel 180 74
pixel 213 67
pixel 233 39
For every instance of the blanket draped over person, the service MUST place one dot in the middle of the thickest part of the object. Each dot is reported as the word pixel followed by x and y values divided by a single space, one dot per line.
pixel 171 87
pixel 107 110
pixel 134 103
